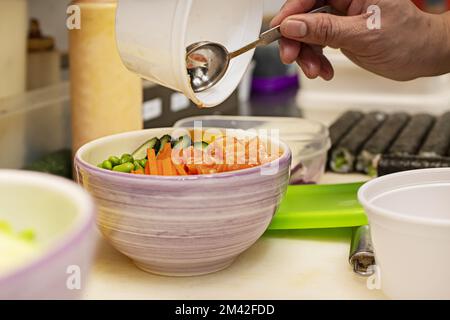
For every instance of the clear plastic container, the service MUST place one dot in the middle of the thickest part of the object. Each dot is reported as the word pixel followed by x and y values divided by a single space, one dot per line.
pixel 308 140
pixel 34 124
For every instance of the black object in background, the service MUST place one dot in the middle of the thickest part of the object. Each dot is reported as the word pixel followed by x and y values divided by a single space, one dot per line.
pixel 343 157
pixel 438 141
pixel 413 136
pixel 392 163
pixel 343 125
pixel 58 163
pixel 381 141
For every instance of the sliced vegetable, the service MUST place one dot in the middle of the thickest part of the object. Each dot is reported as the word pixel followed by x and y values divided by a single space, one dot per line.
pixel 180 169
pixel 166 152
pixel 143 162
pixel 183 142
pixel 137 165
pixel 159 158
pixel 168 168
pixel 139 171
pixel 202 145
pixel 166 139
pixel 151 163
pixel 141 152
pixel 159 167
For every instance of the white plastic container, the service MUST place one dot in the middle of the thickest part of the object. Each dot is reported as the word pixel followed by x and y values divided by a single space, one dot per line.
pixel 152 37
pixel 308 140
pixel 409 216
pixel 355 88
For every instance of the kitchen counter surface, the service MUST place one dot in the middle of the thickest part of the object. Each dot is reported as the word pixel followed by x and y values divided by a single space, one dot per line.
pixel 300 264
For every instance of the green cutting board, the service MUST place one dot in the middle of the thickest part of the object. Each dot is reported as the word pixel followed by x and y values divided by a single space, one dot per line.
pixel 320 206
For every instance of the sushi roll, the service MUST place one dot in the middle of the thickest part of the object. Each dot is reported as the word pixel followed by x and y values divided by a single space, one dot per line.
pixel 344 155
pixel 438 141
pixel 343 125
pixel 391 163
pixel 411 138
pixel 380 142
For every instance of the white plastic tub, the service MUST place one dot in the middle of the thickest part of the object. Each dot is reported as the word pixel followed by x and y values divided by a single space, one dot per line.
pixel 152 37
pixel 409 216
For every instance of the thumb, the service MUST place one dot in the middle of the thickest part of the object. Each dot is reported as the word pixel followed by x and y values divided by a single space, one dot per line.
pixel 325 29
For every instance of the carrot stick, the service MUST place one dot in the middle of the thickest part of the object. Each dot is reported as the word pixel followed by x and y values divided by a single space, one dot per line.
pixel 168 169
pixel 159 167
pixel 147 168
pixel 180 169
pixel 152 166
pixel 166 152
pixel 139 171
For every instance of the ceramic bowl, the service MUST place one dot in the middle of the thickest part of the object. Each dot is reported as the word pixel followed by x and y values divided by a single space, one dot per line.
pixel 179 226
pixel 61 214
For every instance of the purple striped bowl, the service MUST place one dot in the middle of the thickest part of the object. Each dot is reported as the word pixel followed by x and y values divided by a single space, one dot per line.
pixel 180 226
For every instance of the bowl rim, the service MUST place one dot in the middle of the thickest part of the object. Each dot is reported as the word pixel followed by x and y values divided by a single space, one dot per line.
pixel 82 224
pixel 80 162
pixel 393 215
pixel 322 135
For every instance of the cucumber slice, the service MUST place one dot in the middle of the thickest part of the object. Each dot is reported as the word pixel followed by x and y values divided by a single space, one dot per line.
pixel 141 152
pixel 183 142
pixel 163 140
pixel 201 145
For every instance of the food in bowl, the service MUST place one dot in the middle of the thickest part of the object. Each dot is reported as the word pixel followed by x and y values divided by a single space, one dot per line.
pixel 181 225
pixel 16 248
pixel 182 156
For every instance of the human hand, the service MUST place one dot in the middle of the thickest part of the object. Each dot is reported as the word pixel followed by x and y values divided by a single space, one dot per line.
pixel 409 43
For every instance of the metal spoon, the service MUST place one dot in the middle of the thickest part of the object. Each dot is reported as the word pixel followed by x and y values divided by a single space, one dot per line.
pixel 207 62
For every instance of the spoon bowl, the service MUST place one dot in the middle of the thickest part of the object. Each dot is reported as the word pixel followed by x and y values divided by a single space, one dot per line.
pixel 207 62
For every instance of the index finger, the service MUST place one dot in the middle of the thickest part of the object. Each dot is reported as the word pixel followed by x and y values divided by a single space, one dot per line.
pixel 292 7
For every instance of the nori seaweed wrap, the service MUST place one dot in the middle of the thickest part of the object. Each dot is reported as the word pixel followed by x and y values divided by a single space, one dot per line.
pixel 343 125
pixel 413 135
pixel 344 155
pixel 380 142
pixel 438 141
pixel 391 163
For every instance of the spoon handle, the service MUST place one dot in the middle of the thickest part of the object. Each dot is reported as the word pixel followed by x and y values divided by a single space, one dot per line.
pixel 272 35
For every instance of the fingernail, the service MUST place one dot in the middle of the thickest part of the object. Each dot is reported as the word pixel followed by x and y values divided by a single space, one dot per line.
pixel 296 29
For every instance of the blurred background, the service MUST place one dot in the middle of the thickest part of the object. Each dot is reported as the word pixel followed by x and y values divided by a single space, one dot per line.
pixel 35 99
